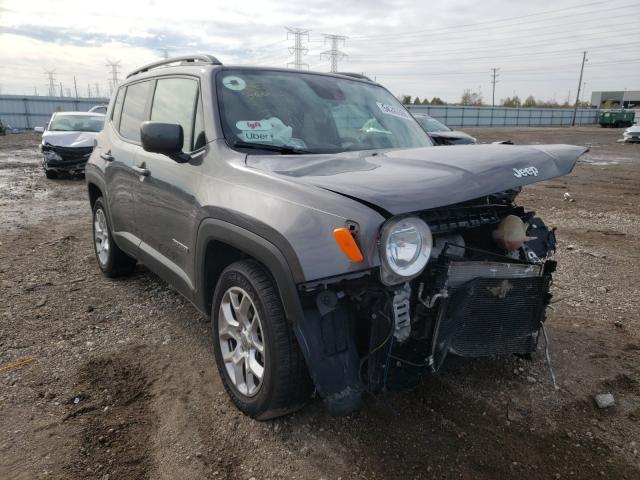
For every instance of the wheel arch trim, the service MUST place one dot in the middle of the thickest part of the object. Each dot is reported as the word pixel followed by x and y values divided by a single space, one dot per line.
pixel 257 247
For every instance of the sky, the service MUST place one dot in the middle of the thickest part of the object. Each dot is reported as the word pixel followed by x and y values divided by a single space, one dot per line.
pixel 438 48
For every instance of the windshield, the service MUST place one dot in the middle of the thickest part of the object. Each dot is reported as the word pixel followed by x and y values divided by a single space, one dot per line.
pixel 432 125
pixel 293 112
pixel 76 123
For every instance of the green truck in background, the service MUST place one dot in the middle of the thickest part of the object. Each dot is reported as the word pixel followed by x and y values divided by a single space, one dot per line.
pixel 616 118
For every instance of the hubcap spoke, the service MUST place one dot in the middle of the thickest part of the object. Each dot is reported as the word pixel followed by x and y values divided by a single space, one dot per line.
pixel 241 341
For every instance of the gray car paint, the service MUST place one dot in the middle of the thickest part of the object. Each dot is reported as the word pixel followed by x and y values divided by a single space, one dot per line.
pixel 403 181
pixel 274 199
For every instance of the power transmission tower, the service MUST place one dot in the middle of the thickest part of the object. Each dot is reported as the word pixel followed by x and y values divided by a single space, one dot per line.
pixel 97 90
pixel 88 90
pixel 494 80
pixel 61 92
pixel 334 54
pixel 164 52
pixel 297 50
pixel 575 107
pixel 75 85
pixel 51 82
pixel 115 66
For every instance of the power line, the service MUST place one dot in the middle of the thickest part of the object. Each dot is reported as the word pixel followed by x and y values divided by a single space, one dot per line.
pixel 494 80
pixel 483 24
pixel 298 50
pixel 334 54
pixel 566 52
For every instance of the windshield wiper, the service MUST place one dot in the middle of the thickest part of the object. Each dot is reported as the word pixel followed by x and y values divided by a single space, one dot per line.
pixel 272 148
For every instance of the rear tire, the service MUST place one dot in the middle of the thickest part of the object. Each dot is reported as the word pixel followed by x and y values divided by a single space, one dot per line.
pixel 257 354
pixel 112 261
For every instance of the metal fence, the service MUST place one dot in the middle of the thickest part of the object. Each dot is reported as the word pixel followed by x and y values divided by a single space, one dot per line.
pixel 463 116
pixel 26 112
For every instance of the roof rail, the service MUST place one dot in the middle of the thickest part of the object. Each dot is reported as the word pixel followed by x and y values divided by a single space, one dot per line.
pixel 354 75
pixel 204 59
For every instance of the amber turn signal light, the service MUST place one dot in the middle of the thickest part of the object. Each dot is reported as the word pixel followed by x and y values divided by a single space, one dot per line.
pixel 347 244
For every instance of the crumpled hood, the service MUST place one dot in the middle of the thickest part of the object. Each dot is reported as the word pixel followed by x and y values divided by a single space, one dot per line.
pixel 70 139
pixel 403 181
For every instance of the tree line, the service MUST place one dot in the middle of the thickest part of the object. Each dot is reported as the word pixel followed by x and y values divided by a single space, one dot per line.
pixel 471 98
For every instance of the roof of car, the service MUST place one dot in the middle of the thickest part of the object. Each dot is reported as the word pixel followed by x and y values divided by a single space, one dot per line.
pixel 92 114
pixel 187 63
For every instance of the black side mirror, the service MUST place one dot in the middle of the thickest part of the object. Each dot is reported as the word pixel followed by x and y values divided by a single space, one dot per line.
pixel 164 138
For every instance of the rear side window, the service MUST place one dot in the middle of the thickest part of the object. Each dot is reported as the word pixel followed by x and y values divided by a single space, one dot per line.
pixel 117 108
pixel 174 102
pixel 133 111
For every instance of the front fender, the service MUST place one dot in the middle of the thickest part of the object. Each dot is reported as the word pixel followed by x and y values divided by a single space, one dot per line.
pixel 281 268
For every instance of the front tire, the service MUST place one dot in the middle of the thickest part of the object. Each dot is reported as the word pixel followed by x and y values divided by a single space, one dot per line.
pixel 112 261
pixel 51 174
pixel 258 357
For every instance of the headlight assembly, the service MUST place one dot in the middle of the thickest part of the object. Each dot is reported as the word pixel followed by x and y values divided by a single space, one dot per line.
pixel 405 246
pixel 51 155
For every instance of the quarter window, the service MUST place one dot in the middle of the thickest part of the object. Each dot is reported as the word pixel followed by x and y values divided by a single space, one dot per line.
pixel 174 102
pixel 133 111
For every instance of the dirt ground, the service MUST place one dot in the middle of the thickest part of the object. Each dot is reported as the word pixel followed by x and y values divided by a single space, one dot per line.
pixel 123 383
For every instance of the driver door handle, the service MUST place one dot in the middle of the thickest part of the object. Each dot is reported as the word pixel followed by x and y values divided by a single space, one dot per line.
pixel 140 170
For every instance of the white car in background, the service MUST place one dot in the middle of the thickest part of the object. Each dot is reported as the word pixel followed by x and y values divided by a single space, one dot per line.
pixel 632 134
pixel 68 141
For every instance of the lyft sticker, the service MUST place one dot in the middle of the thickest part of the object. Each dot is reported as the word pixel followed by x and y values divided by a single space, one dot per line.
pixel 394 110
pixel 253 125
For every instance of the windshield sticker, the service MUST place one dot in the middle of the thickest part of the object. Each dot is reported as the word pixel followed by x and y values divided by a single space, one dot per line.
pixel 259 136
pixel 253 125
pixel 393 110
pixel 234 83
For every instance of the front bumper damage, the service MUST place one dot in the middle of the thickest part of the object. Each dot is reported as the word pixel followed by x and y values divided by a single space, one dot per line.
pixel 71 160
pixel 358 335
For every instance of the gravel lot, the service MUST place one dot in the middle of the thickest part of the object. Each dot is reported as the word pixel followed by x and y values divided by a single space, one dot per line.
pixel 123 386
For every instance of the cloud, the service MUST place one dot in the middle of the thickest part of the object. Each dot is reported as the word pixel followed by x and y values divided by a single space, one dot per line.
pixel 429 49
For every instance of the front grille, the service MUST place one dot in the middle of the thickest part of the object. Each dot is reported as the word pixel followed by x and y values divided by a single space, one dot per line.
pixel 72 153
pixel 492 316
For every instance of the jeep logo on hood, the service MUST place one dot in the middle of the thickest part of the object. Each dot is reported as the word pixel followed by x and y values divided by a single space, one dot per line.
pixel 525 172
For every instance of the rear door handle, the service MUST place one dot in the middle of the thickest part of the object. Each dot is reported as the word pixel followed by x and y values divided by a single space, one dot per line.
pixel 141 171
pixel 107 156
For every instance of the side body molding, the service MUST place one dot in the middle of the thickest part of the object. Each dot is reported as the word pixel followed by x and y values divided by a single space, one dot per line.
pixel 257 247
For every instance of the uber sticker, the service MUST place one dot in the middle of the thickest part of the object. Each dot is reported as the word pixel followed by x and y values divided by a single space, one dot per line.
pixel 253 125
pixel 257 136
pixel 393 110
pixel 234 83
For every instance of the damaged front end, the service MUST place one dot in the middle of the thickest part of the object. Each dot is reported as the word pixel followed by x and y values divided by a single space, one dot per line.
pixel 482 290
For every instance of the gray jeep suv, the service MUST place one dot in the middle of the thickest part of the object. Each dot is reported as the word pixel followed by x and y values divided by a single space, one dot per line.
pixel 310 216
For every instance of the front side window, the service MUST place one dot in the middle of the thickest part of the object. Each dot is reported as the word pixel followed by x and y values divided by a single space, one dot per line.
pixel 310 113
pixel 174 101
pixel 133 110
pixel 76 123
